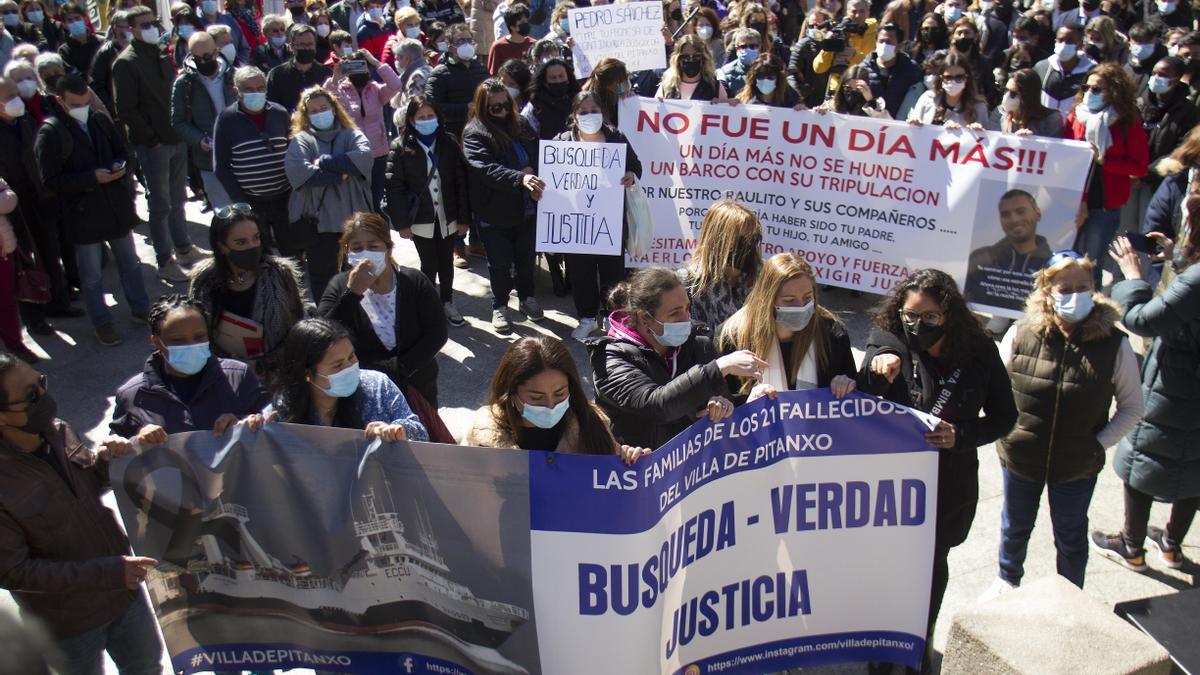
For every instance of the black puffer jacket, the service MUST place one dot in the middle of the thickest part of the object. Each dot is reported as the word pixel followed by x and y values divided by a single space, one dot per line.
pixel 1161 456
pixel 497 189
pixel 408 172
pixel 647 399
pixel 451 85
pixel 983 386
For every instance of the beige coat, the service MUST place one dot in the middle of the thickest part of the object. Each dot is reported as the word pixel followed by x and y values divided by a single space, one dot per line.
pixel 485 432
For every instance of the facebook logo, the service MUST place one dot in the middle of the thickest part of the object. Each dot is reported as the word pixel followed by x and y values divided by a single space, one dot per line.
pixel 408 664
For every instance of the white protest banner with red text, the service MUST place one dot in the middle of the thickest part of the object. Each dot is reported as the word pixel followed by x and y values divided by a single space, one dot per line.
pixel 865 201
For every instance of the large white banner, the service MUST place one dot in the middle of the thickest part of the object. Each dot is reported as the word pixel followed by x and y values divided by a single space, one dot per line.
pixel 863 200
pixel 631 32
pixel 583 205
pixel 798 532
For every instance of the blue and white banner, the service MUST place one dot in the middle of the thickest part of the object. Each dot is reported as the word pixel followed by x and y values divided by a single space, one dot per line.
pixel 797 532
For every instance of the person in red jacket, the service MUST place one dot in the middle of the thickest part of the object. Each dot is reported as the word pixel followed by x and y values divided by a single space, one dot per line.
pixel 1106 116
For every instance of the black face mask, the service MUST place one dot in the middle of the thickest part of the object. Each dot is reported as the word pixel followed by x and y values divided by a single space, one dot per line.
pixel 921 336
pixel 305 56
pixel 207 67
pixel 676 15
pixel 854 99
pixel 52 82
pixel 246 259
pixel 558 89
pixel 690 67
pixel 1091 6
pixel 39 416
pixel 522 29
pixel 761 28
pixel 360 80
pixel 964 44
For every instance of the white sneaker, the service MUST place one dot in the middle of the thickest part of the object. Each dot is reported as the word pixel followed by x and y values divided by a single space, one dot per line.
pixel 585 328
pixel 452 315
pixel 998 588
pixel 171 271
pixel 190 257
pixel 532 309
pixel 500 320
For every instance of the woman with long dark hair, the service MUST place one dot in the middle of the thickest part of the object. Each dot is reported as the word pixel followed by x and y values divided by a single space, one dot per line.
pixel 251 298
pixel 931 36
pixel 954 102
pixel 501 152
pixel 929 352
pixel 592 276
pixel 854 96
pixel 1022 111
pixel 323 385
pixel 610 81
pixel 537 402
pixel 426 161
pixel 766 84
pixel 550 96
pixel 1160 459
pixel 1106 117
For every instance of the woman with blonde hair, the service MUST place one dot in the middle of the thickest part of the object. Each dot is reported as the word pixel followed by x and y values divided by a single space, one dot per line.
pixel 804 344
pixel 725 263
pixel 691 73
pixel 1068 362
pixel 1103 43
pixel 328 164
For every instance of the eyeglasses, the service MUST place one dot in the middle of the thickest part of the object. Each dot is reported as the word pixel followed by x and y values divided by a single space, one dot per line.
pixel 1060 256
pixel 240 209
pixel 32 398
pixel 930 318
pixel 954 78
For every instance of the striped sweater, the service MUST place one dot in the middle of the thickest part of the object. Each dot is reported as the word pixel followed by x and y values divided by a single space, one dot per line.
pixel 249 162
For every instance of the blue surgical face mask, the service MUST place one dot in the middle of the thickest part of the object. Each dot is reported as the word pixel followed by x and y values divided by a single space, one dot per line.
pixel 1142 52
pixel 12 20
pixel 426 127
pixel 1159 84
pixel 186 30
pixel 188 359
pixel 1074 307
pixel 765 87
pixel 376 13
pixel 747 55
pixel 208 6
pixel 77 28
pixel 952 14
pixel 565 25
pixel 254 101
pixel 795 318
pixel 343 383
pixel 412 32
pixel 543 417
pixel 322 120
pixel 1094 101
pixel 278 41
pixel 675 333
pixel 36 17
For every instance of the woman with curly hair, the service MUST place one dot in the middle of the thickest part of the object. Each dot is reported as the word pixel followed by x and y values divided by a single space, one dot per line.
pixel 929 352
pixel 690 73
pixel 1068 362
pixel 1106 117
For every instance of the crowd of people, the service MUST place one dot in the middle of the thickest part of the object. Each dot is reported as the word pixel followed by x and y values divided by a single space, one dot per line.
pixel 314 136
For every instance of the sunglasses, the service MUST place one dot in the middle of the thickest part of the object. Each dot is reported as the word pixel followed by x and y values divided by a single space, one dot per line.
pixel 954 78
pixel 499 107
pixel 240 209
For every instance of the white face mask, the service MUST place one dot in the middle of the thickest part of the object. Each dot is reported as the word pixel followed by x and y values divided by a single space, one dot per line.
pixel 81 113
pixel 1073 307
pixel 513 92
pixel 15 107
pixel 1064 50
pixel 150 35
pixel 885 51
pixel 705 33
pixel 465 52
pixel 931 81
pixel 590 123
pixel 27 88
pixel 229 52
pixel 378 260
pixel 795 318
pixel 1010 103
pixel 323 29
pixel 954 88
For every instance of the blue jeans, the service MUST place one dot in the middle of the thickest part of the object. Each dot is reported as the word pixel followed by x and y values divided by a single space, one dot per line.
pixel 1068 514
pixel 87 256
pixel 130 640
pixel 1095 236
pixel 165 169
pixel 509 247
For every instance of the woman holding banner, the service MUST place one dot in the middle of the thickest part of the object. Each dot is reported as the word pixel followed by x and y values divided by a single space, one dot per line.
pixel 501 152
pixel 954 102
pixel 593 276
pixel 804 344
pixel 654 375
pixel 537 402
pixel 725 263
pixel 1022 111
pixel 854 97
pixel 1067 361
pixel 1106 116
pixel 690 74
pixel 766 84
pixel 929 352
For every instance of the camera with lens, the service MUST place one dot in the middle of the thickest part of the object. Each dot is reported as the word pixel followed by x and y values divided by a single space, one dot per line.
pixel 838 34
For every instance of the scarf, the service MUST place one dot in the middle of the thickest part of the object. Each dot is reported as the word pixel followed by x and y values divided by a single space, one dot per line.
pixel 275 303
pixel 245 16
pixel 1097 126
pixel 806 370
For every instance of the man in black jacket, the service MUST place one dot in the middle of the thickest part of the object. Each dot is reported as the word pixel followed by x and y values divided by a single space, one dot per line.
pixel 142 79
pixel 80 47
pixel 37 214
pixel 891 72
pixel 100 73
pixel 82 159
pixel 285 82
pixel 452 84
